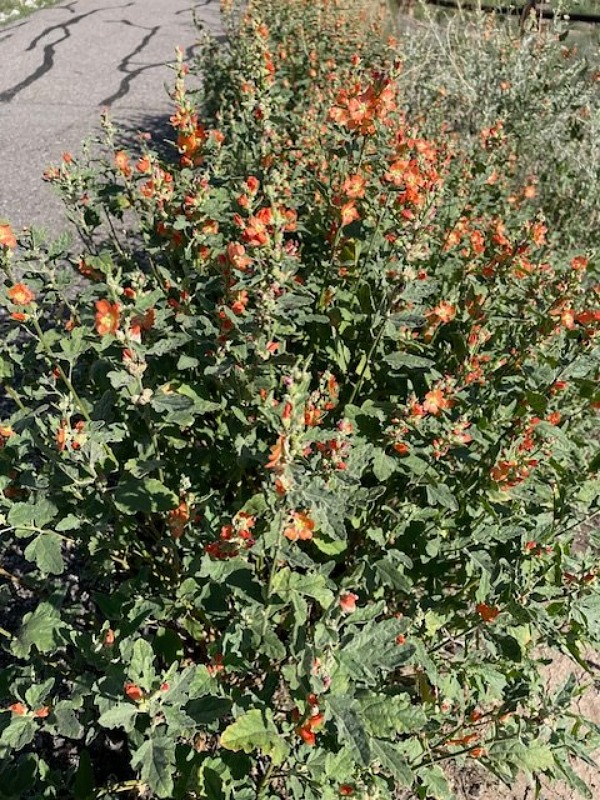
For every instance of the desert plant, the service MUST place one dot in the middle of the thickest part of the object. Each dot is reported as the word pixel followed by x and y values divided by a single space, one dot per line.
pixel 291 485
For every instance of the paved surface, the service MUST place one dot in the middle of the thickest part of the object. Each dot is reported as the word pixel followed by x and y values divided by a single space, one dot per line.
pixel 62 65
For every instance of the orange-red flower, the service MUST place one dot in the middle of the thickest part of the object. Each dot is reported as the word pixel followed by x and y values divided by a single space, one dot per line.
pixel 236 254
pixel 257 230
pixel 133 692
pixel 61 436
pixel 444 312
pixel 354 186
pixel 144 165
pixel 141 323
pixel 401 448
pixel 348 213
pixel 108 316
pixel 190 142
pixel 487 613
pixel 109 638
pixel 7 237
pixel 239 305
pixel 21 294
pixel 347 602
pixel 301 527
pixel 436 401
pixel 277 453
pixel 18 709
pixel 122 163
pixel 178 519
pixel 579 263
pixel 307 735
pixel 477 752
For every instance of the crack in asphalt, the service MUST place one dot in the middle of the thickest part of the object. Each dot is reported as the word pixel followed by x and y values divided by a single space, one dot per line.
pixel 130 76
pixel 49 51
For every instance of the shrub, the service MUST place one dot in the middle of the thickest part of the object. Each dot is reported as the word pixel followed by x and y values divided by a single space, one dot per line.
pixel 469 71
pixel 291 485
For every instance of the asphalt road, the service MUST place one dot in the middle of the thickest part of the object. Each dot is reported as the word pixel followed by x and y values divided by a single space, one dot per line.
pixel 61 66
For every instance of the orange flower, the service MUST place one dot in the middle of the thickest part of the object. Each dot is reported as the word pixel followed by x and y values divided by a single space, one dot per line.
pixel 239 305
pixel 312 416
pixel 5 433
pixel 190 142
pixel 107 317
pixel 347 602
pixel 579 263
pixel 435 401
pixel 277 453
pixel 109 638
pixel 7 237
pixel 42 712
pixel 122 163
pixel 257 230
pixel 178 519
pixel 61 437
pixel 236 254
pixel 133 692
pixel 538 233
pixel 307 735
pixel 444 312
pixel 477 752
pixel 302 527
pixel 21 294
pixel 348 213
pixel 141 323
pixel 346 790
pixel 18 709
pixel 487 613
pixel 144 165
pixel 464 740
pixel 354 186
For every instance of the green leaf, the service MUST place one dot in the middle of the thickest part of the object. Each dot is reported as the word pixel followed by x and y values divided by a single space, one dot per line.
pixel 535 758
pixel 21 514
pixel 156 761
pixel 27 514
pixel 346 712
pixel 392 761
pixel 120 716
pixel 286 583
pixel 67 723
pixel 255 730
pixel 366 653
pixel 386 715
pixel 147 496
pixel 398 360
pixel 393 576
pixel 141 669
pixel 436 783
pixel 383 465
pixel 18 734
pixel 209 708
pixel 440 495
pixel 45 550
pixel 40 629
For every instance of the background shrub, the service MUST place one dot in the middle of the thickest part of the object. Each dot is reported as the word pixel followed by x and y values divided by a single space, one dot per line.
pixel 468 71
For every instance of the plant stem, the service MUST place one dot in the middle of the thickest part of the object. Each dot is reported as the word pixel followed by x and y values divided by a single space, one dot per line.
pixel 266 779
